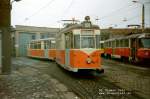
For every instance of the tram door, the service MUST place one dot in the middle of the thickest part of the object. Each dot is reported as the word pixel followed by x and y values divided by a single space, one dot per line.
pixel 67 39
pixel 68 46
pixel 133 48
pixel 46 47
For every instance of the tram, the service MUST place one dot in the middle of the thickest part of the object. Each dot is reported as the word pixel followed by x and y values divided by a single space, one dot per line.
pixel 42 48
pixel 134 48
pixel 77 47
pixel 102 48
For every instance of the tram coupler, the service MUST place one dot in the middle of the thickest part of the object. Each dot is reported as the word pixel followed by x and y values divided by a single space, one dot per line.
pixel 100 71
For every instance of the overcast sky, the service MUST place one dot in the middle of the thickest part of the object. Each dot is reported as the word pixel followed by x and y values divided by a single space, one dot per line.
pixel 48 13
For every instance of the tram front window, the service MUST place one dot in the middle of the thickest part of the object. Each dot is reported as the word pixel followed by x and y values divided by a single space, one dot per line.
pixel 145 43
pixel 87 42
pixel 77 41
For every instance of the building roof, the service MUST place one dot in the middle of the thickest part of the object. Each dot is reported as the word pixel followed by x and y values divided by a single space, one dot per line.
pixel 35 29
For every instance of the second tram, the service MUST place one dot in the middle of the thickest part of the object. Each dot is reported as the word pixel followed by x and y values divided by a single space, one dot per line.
pixel 42 48
pixel 134 47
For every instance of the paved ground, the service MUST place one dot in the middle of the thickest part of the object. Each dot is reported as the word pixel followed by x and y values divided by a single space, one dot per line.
pixel 130 77
pixel 35 79
pixel 26 82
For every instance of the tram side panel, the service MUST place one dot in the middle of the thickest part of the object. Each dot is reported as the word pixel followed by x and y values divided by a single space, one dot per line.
pixel 38 53
pixel 60 57
pixel 122 52
pixel 52 54
pixel 143 53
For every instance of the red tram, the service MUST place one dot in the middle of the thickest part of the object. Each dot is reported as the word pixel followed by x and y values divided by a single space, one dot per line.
pixel 77 47
pixel 42 48
pixel 134 47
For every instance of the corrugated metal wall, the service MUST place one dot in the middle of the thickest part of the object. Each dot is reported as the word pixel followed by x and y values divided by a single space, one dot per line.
pixel 24 39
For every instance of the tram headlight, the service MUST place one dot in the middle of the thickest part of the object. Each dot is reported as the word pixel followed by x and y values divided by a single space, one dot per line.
pixel 89 60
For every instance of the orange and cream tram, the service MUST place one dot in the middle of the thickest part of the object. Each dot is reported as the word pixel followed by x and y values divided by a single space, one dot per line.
pixel 77 47
pixel 134 47
pixel 42 48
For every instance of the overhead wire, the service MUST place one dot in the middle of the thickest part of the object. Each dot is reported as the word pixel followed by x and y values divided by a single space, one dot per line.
pixel 49 3
pixel 114 13
pixel 129 19
pixel 67 9
pixel 69 6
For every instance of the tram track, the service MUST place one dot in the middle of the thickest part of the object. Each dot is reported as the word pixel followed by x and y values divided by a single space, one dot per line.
pixel 85 86
pixel 88 86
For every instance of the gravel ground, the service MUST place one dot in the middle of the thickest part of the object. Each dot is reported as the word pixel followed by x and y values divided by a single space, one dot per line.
pixel 26 82
pixel 35 79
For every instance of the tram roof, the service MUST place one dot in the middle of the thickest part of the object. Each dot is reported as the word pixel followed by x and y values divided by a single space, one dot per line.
pixel 139 35
pixel 45 39
pixel 77 26
pixel 136 35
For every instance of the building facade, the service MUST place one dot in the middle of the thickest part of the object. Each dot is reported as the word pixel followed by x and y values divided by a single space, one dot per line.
pixel 24 34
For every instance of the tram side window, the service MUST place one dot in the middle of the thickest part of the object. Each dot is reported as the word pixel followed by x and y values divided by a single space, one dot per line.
pixel 126 43
pixel 68 41
pixel 144 43
pixel 121 43
pixel 77 41
pixel 35 45
pixel 117 43
pixel 49 44
pixel 105 44
pixel 101 45
pixel 97 41
pixel 45 44
pixel 113 44
pixel 110 44
pixel 39 45
pixel 53 44
pixel 31 45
